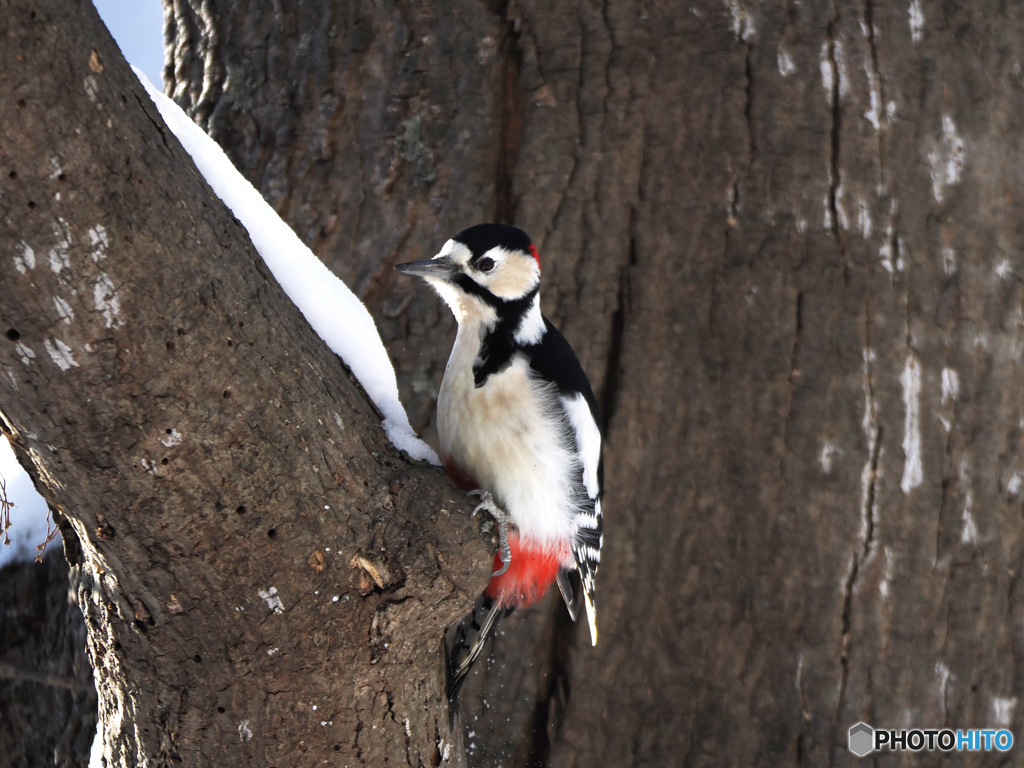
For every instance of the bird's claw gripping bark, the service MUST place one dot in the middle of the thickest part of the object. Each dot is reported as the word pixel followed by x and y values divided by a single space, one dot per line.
pixel 502 518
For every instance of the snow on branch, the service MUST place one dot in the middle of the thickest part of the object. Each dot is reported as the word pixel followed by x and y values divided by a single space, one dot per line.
pixel 338 317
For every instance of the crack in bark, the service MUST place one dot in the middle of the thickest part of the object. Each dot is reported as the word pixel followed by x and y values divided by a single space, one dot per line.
pixel 553 697
pixel 859 559
pixel 510 118
pixel 805 712
pixel 610 385
pixel 747 106
pixel 158 124
pixel 794 373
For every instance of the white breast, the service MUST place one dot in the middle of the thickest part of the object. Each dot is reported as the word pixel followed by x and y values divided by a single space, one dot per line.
pixel 507 435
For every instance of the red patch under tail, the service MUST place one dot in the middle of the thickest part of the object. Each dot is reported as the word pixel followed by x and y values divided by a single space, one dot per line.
pixel 528 577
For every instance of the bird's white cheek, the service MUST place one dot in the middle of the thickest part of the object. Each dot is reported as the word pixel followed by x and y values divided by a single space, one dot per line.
pixel 515 279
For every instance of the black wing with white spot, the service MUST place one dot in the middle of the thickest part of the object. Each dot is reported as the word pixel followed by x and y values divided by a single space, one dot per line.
pixel 553 360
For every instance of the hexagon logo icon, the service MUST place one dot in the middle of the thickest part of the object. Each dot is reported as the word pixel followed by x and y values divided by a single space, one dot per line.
pixel 862 739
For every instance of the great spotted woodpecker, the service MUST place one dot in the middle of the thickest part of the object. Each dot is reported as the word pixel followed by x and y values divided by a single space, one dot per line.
pixel 517 423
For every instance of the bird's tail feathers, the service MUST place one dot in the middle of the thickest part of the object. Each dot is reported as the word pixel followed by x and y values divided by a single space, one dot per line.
pixel 467 639
pixel 570 587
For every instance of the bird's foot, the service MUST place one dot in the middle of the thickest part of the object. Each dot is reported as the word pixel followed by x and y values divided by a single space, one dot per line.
pixel 502 518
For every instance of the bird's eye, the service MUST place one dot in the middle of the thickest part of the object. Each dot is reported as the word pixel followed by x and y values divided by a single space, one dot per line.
pixel 485 264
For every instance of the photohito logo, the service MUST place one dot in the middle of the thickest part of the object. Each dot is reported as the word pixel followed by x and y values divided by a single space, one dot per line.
pixel 864 740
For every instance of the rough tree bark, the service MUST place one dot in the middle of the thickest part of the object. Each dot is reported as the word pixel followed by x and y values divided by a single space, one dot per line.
pixel 783 238
pixel 264 579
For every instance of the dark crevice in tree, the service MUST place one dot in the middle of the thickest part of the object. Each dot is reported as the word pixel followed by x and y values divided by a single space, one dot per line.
pixel 510 118
pixel 869 533
pixel 869 522
pixel 858 561
pixel 553 698
pixel 610 385
pixel 805 714
pixel 798 324
pixel 156 123
pixel 748 103
pixel 894 243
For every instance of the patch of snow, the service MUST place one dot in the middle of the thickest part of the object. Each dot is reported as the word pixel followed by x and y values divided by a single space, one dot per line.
pixel 874 113
pixel 60 353
pixel 742 22
pixel 172 438
pixel 334 312
pixel 63 309
pixel 969 531
pixel 883 585
pixel 948 260
pixel 827 72
pixel 864 219
pixel 24 260
pixel 943 672
pixel 59 260
pixel 25 353
pixel 870 426
pixel 839 54
pixel 104 296
pixel 950 385
pixel 916 20
pixel 1003 708
pixel 99 241
pixel 910 380
pixel 844 221
pixel 91 88
pixel 786 65
pixel 946 160
pixel 272 599
pixel 950 391
pixel 828 453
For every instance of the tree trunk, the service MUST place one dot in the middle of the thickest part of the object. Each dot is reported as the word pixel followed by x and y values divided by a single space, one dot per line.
pixel 264 579
pixel 780 237
pixel 47 698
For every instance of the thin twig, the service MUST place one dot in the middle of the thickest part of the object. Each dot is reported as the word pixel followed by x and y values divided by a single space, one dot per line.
pixel 11 672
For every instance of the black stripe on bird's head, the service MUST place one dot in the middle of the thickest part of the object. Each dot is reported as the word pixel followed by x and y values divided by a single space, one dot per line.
pixel 493 263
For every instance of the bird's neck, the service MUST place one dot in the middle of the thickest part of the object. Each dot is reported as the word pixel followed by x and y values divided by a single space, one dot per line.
pixel 494 337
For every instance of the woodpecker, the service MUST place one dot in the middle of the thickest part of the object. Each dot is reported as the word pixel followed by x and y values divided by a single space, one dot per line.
pixel 517 423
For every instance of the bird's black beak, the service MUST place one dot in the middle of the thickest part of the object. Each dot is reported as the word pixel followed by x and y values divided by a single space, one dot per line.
pixel 441 268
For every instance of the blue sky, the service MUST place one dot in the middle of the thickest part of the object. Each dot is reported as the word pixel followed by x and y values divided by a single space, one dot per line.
pixel 137 26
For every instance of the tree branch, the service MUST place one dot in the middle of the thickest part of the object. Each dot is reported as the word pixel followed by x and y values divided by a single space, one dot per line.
pixel 219 470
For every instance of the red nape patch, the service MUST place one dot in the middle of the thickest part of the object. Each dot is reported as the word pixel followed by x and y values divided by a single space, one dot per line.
pixel 528 577
pixel 536 256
